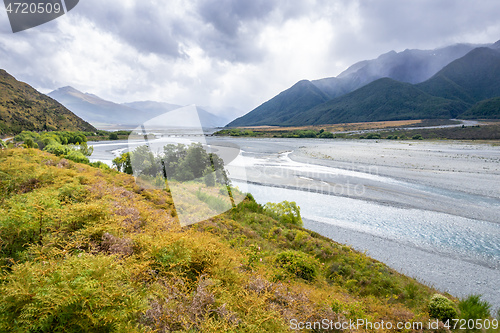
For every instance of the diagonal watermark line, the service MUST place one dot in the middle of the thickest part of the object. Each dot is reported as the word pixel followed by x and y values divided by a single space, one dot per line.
pixel 63 2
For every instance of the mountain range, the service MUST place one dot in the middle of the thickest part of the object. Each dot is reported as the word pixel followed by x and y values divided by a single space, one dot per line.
pixel 102 113
pixel 22 108
pixel 413 84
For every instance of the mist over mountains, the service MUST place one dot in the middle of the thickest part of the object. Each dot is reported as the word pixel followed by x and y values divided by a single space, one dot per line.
pixel 413 84
pixel 103 113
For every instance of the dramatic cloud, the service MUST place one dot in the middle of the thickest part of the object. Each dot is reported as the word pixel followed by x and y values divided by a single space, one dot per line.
pixel 228 52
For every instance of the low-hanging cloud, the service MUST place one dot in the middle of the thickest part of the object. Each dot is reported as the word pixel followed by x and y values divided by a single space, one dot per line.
pixel 228 52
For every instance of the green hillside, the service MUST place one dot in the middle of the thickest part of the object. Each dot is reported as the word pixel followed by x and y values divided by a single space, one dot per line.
pixel 384 99
pixel 85 249
pixel 448 94
pixel 487 109
pixel 472 78
pixel 24 108
pixel 285 107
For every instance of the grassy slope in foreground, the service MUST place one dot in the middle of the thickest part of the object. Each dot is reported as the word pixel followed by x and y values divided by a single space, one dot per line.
pixel 84 249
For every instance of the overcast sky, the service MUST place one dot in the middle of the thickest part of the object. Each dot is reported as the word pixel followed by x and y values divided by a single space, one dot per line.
pixel 228 52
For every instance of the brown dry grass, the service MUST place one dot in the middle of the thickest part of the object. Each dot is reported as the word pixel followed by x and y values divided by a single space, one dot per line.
pixel 338 127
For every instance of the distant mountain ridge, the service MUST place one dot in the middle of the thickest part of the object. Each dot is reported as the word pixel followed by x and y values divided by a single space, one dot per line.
pixel 452 92
pixel 101 112
pixel 409 66
pixel 95 109
pixel 301 97
pixel 22 108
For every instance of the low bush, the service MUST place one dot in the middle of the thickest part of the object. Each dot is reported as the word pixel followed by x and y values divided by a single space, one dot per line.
pixel 285 212
pixel 442 308
pixel 80 294
pixel 57 149
pixel 474 308
pixel 77 157
pixel 298 264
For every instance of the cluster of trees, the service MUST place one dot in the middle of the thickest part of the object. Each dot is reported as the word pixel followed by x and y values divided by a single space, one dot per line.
pixel 40 140
pixel 176 162
pixel 238 132
pixel 322 134
pixel 70 145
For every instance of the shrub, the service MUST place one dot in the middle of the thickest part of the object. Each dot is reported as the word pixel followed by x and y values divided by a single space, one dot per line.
pixel 442 308
pixel 373 136
pixel 80 294
pixel 113 136
pixel 417 137
pixel 57 149
pixel 78 157
pixel 209 177
pixel 100 165
pixel 29 143
pixel 285 212
pixel 326 135
pixel 298 263
pixel 473 308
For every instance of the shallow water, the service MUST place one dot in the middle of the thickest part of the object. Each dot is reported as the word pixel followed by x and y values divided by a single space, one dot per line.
pixel 468 239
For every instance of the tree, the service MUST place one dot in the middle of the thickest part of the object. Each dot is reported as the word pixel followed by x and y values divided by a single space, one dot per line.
pixel 286 212
pixel 197 160
pixel 29 143
pixel 209 177
pixel 86 150
pixel 123 163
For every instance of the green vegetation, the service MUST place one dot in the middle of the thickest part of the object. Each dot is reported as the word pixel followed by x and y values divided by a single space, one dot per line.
pixel 285 212
pixel 476 132
pixel 70 145
pixel 84 249
pixel 490 131
pixel 487 109
pixel 371 136
pixel 24 108
pixel 384 99
pixel 285 107
pixel 178 162
pixel 101 135
pixel 298 264
pixel 442 308
pixel 473 308
pixel 238 132
pixel 467 87
pixel 322 134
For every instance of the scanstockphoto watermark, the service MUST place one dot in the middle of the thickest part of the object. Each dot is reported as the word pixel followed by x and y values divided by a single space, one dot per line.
pixel 284 173
pixel 365 324
pixel 26 14
pixel 171 152
pixel 327 324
